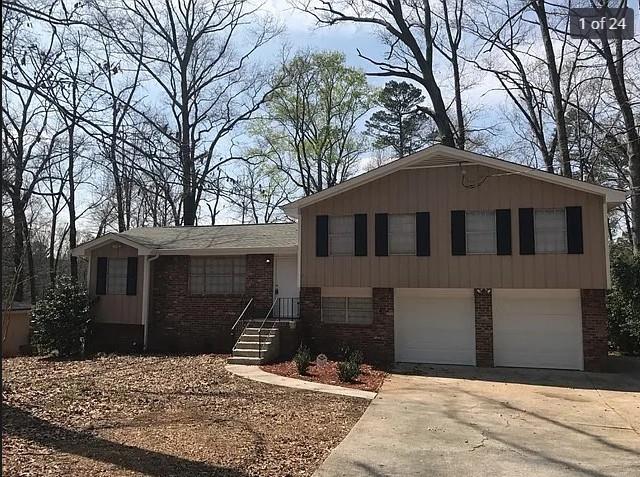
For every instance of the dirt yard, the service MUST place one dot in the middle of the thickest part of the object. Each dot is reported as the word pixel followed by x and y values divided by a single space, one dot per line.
pixel 162 416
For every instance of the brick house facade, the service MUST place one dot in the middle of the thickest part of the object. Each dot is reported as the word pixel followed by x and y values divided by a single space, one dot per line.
pixel 374 340
pixel 181 322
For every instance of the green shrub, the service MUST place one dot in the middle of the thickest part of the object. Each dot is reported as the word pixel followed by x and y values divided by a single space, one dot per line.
pixel 61 319
pixel 349 354
pixel 303 359
pixel 348 370
pixel 624 301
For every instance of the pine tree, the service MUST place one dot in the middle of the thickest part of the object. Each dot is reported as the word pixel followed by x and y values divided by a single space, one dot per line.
pixel 400 124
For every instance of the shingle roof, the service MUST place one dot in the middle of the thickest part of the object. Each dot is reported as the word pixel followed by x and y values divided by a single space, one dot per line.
pixel 216 237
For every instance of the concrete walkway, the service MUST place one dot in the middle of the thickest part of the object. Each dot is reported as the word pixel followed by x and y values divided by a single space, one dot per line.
pixel 458 421
pixel 256 374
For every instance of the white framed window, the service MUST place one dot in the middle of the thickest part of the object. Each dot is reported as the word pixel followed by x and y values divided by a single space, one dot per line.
pixel 217 275
pixel 480 231
pixel 117 276
pixel 341 235
pixel 402 234
pixel 347 310
pixel 550 230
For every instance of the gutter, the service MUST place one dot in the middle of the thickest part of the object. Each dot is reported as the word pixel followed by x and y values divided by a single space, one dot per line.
pixel 146 292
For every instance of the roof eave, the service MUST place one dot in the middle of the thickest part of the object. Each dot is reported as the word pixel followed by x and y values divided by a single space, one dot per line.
pixel 84 249
pixel 613 197
pixel 228 251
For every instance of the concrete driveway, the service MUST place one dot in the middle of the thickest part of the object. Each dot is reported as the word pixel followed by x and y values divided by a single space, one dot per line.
pixel 459 421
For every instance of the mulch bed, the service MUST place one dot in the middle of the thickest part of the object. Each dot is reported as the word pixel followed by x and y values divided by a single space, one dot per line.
pixel 162 416
pixel 370 378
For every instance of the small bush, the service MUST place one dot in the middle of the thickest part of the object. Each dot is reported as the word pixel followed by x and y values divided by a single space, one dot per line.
pixel 61 319
pixel 348 371
pixel 303 359
pixel 349 354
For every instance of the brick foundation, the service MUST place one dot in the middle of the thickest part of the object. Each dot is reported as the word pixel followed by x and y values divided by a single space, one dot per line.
pixel 594 329
pixel 116 338
pixel 376 340
pixel 484 326
pixel 179 322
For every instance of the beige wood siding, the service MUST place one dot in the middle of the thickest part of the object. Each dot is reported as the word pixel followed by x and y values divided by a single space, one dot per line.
pixel 117 308
pixel 438 191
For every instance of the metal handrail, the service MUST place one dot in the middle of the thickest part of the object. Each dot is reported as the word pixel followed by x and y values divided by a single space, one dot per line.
pixel 262 325
pixel 241 315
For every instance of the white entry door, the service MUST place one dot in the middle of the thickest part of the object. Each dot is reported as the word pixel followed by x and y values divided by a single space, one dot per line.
pixel 435 326
pixel 285 286
pixel 537 328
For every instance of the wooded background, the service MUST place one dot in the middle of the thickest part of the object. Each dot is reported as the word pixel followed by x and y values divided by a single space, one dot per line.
pixel 129 113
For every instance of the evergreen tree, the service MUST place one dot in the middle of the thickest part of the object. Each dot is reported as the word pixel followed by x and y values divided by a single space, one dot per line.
pixel 400 124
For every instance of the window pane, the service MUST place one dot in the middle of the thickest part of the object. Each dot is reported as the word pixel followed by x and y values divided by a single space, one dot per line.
pixel 217 275
pixel 117 276
pixel 334 310
pixel 481 231
pixel 341 240
pixel 402 234
pixel 196 282
pixel 550 230
pixel 196 265
pixel 218 284
pixel 360 311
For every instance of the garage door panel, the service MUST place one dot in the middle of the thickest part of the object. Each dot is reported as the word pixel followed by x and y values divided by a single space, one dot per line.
pixel 537 328
pixel 435 326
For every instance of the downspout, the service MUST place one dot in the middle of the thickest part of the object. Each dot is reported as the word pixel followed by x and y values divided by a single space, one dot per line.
pixel 146 292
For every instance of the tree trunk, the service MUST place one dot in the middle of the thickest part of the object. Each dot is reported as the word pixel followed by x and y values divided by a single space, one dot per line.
pixel 615 68
pixel 556 93
pixel 18 249
pixel 73 260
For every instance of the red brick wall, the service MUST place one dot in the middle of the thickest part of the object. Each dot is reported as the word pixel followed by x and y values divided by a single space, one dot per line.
pixel 484 326
pixel 179 322
pixel 374 340
pixel 594 329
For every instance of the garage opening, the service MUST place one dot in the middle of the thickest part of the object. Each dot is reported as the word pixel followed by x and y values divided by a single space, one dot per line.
pixel 537 329
pixel 434 326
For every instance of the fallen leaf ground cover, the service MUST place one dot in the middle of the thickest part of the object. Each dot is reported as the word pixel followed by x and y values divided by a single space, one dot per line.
pixel 162 416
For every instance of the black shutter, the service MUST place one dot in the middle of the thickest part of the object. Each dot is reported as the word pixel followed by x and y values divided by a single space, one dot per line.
pixel 322 236
pixel 382 235
pixel 101 276
pixel 132 275
pixel 458 233
pixel 360 235
pixel 503 231
pixel 574 230
pixel 423 242
pixel 527 235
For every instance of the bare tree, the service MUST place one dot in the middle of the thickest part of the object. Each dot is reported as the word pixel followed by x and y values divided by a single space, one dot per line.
pixel 190 49
pixel 29 135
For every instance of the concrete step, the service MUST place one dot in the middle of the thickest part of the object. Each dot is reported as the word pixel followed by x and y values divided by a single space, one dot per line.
pixel 256 337
pixel 256 330
pixel 245 360
pixel 250 353
pixel 252 344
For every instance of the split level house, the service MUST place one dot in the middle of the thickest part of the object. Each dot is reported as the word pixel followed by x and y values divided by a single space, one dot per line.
pixel 444 256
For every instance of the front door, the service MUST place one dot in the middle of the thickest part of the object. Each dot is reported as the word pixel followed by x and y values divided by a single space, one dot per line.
pixel 285 286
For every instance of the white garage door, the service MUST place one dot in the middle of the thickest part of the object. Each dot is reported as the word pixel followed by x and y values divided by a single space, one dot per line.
pixel 435 326
pixel 537 328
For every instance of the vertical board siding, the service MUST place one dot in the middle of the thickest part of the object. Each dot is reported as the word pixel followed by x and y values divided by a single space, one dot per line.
pixel 126 309
pixel 439 191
